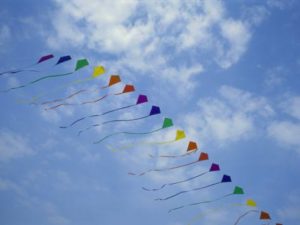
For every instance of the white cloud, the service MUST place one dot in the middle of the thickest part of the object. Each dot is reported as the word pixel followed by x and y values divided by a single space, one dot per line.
pixel 7 185
pixel 5 34
pixel 231 117
pixel 13 145
pixel 150 36
pixel 53 215
pixel 237 36
pixel 254 15
pixel 292 209
pixel 280 4
pixel 286 133
pixel 275 76
pixel 292 106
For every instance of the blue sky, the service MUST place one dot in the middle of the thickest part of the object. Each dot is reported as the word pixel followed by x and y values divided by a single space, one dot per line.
pixel 227 73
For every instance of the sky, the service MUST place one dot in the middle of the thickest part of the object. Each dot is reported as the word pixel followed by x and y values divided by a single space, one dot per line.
pixel 225 72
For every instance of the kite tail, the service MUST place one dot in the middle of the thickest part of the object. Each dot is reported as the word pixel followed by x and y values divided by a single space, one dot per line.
pixel 154 189
pixel 63 99
pixel 125 120
pixel 18 71
pixel 173 156
pixel 80 119
pixel 125 132
pixel 88 128
pixel 180 166
pixel 177 182
pixel 114 110
pixel 76 121
pixel 182 192
pixel 50 76
pixel 93 101
pixel 57 106
pixel 198 203
pixel 163 169
pixel 243 215
pixel 114 149
pixel 37 80
pixel 37 97
pixel 13 88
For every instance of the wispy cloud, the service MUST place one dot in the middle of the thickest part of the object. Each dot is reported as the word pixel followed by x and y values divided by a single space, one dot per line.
pixel 230 117
pixel 147 37
pixel 13 145
pixel 292 209
pixel 5 34
pixel 286 133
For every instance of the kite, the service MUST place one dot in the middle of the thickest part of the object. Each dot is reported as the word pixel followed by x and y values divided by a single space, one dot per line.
pixel 180 134
pixel 263 215
pixel 236 191
pixel 114 79
pixel 127 89
pixel 225 179
pixel 26 68
pixel 80 64
pixel 203 156
pixel 140 100
pixel 166 124
pixel 191 148
pixel 98 71
pixel 63 59
pixel 213 168
pixel 155 110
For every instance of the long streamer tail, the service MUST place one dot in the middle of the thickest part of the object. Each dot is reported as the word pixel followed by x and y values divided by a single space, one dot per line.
pixel 182 192
pixel 245 214
pixel 125 132
pixel 125 120
pixel 50 76
pixel 177 182
pixel 198 203
pixel 115 149
pixel 163 169
pixel 17 71
pixel 96 115
pixel 88 128
pixel 114 110
pixel 74 122
pixel 63 99
pixel 173 156
pixel 94 101
pixel 37 80
pixel 82 103
pixel 34 99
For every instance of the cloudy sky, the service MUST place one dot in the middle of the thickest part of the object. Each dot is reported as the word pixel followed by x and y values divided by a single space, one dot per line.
pixel 226 72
